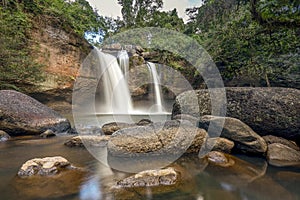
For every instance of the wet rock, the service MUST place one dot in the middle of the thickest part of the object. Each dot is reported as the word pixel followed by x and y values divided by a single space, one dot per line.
pixel 281 155
pixel 4 136
pixel 144 122
pixel 270 139
pixel 235 171
pixel 44 166
pixel 23 115
pixel 219 144
pixel 154 181
pixel 245 139
pixel 171 137
pixel 47 134
pixel 88 140
pixel 151 178
pixel 110 128
pixel 60 186
pixel 268 111
pixel 220 159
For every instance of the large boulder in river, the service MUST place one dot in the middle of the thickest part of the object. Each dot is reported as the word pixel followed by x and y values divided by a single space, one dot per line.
pixel 244 138
pixel 268 111
pixel 23 115
pixel 170 137
pixel 154 146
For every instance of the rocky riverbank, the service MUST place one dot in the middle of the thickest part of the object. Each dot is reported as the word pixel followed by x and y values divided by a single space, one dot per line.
pixel 145 146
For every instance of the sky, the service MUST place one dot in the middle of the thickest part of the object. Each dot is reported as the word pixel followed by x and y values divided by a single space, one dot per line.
pixel 112 9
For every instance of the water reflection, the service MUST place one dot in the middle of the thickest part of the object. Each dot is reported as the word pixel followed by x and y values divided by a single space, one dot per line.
pixel 91 190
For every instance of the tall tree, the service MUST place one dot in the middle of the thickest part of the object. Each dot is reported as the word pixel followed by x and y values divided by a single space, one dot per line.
pixel 136 12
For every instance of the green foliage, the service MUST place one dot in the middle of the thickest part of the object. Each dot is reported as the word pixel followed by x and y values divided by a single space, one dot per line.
pixel 137 13
pixel 245 48
pixel 16 64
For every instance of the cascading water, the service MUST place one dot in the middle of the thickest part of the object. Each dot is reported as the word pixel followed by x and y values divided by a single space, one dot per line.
pixel 157 91
pixel 117 98
pixel 123 59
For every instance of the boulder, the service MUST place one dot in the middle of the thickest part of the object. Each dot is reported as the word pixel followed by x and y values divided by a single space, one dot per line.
pixel 270 139
pixel 219 144
pixel 268 111
pixel 171 137
pixel 4 136
pixel 280 155
pixel 88 140
pixel 44 166
pixel 244 138
pixel 23 115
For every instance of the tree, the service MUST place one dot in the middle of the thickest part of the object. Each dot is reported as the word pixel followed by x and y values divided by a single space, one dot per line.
pixel 138 12
pixel 255 40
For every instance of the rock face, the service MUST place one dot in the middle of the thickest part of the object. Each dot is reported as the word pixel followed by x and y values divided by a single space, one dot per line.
pixel 281 155
pixel 88 140
pixel 268 111
pixel 151 178
pixel 4 136
pixel 23 115
pixel 172 137
pixel 44 166
pixel 245 139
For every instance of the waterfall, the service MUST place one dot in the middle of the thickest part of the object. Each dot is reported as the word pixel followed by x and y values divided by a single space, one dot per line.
pixel 116 95
pixel 123 59
pixel 157 90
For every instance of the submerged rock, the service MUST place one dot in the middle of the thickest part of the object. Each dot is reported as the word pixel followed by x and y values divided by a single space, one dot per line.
pixel 219 144
pixel 245 139
pixel 88 140
pixel 281 155
pixel 44 166
pixel 23 115
pixel 268 111
pixel 220 159
pixel 4 136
